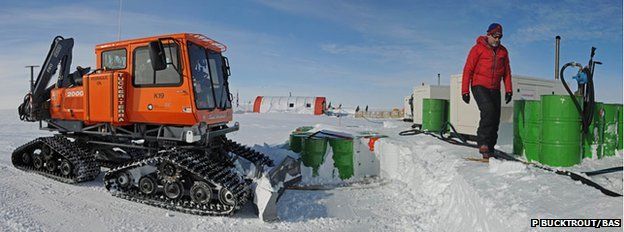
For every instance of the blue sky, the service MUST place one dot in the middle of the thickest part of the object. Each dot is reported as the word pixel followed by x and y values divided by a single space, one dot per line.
pixel 353 52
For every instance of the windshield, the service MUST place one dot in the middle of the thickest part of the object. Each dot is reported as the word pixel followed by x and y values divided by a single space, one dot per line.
pixel 218 82
pixel 209 84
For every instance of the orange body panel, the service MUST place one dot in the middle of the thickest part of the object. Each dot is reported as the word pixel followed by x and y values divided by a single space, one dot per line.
pixel 109 96
pixel 67 103
pixel 100 97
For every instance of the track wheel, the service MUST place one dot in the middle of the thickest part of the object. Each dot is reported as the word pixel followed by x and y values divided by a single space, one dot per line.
pixel 173 190
pixel 226 197
pixel 169 172
pixel 51 165
pixel 124 179
pixel 66 167
pixel 37 161
pixel 147 185
pixel 26 158
pixel 201 192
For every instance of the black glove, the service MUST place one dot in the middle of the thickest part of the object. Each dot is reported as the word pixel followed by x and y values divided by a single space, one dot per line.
pixel 507 97
pixel 466 98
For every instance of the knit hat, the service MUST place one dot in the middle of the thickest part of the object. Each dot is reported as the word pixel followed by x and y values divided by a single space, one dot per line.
pixel 495 29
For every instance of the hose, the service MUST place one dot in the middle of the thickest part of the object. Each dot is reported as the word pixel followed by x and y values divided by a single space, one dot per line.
pixel 603 171
pixel 454 133
pixel 24 109
pixel 567 88
pixel 586 111
pixel 410 132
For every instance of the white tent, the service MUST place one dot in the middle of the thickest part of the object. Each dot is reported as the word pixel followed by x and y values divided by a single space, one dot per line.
pixel 299 105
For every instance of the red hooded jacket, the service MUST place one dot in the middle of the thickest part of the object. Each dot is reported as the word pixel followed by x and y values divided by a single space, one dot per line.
pixel 486 66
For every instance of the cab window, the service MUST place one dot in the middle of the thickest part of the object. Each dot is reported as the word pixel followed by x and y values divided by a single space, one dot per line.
pixel 144 74
pixel 114 59
pixel 220 86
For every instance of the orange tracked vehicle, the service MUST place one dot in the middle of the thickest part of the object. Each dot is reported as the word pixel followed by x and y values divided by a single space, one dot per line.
pixel 155 111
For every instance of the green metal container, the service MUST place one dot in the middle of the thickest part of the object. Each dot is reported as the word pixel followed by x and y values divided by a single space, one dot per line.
pixel 518 127
pixel 560 142
pixel 343 156
pixel 296 141
pixel 532 129
pixel 611 119
pixel 592 141
pixel 434 114
pixel 619 127
pixel 313 154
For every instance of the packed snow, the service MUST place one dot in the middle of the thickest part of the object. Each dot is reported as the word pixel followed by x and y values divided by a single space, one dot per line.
pixel 425 185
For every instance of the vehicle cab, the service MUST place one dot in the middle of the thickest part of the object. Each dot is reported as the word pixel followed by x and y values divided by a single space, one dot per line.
pixel 177 79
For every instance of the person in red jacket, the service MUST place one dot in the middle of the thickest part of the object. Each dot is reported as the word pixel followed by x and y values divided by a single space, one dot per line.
pixel 487 64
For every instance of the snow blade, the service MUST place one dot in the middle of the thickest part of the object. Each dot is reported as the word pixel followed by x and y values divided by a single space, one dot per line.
pixel 272 184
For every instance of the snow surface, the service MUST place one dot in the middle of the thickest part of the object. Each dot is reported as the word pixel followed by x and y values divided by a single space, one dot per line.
pixel 426 186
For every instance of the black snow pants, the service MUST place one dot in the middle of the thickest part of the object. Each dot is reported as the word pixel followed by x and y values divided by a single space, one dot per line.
pixel 489 102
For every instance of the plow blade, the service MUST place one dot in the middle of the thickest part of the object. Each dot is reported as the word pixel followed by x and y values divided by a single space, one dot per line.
pixel 270 186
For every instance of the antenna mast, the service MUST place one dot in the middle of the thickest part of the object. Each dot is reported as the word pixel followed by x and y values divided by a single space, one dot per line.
pixel 119 22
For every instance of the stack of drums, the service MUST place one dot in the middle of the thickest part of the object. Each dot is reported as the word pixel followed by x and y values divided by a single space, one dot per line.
pixel 314 148
pixel 560 142
pixel 550 131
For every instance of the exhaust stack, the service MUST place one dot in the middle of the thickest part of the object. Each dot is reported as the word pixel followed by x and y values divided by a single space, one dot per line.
pixel 557 39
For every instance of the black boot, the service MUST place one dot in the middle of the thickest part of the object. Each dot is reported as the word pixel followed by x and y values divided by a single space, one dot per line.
pixel 492 151
pixel 485 151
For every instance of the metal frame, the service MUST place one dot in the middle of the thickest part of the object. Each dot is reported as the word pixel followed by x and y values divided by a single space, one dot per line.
pixel 149 132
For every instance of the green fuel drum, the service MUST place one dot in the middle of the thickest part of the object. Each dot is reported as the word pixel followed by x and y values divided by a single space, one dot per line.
pixel 532 129
pixel 313 154
pixel 518 127
pixel 560 142
pixel 296 141
pixel 592 141
pixel 619 127
pixel 434 114
pixel 343 156
pixel 610 117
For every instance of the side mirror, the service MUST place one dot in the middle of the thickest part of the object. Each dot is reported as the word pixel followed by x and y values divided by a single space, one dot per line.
pixel 157 55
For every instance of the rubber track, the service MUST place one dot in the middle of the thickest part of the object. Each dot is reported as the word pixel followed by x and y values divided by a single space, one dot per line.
pixel 255 157
pixel 197 163
pixel 85 167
